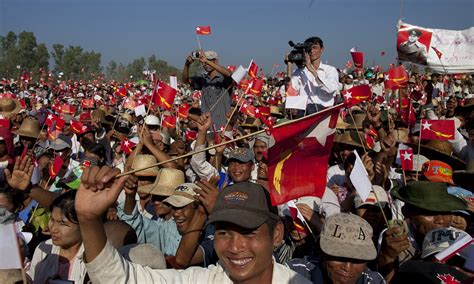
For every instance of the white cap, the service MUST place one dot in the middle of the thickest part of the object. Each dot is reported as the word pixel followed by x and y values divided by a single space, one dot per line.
pixel 439 239
pixel 152 120
pixel 371 199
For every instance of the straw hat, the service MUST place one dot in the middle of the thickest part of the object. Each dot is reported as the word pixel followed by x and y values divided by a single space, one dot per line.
pixel 29 128
pixel 142 161
pixel 401 134
pixel 275 111
pixel 341 124
pixel 9 107
pixel 443 151
pixel 358 119
pixel 166 181
pixel 127 117
pixel 251 122
pixel 100 114
pixel 348 138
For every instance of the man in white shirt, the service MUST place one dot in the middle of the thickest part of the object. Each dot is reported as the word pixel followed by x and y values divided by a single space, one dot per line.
pixel 316 81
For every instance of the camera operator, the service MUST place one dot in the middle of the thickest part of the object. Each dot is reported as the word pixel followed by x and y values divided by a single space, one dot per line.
pixel 214 84
pixel 318 81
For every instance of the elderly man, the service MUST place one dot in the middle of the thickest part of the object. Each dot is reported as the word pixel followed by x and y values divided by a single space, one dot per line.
pixel 247 229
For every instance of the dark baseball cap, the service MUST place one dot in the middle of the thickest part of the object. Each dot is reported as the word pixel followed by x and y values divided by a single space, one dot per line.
pixel 244 155
pixel 244 204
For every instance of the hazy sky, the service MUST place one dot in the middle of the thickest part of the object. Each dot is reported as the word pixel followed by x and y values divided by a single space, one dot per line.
pixel 241 30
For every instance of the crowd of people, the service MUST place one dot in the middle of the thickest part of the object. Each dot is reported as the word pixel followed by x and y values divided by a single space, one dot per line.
pixel 101 191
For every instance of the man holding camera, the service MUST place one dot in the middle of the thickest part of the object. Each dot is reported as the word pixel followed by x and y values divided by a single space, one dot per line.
pixel 215 85
pixel 317 81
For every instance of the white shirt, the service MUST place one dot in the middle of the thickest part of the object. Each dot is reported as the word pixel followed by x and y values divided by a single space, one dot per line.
pixel 110 267
pixel 304 82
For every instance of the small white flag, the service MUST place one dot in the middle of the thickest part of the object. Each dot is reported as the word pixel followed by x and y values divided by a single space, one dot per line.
pixel 239 74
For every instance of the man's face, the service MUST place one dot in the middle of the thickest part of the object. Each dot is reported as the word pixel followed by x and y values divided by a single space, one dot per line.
pixel 161 209
pixel 3 148
pixel 344 270
pixel 207 67
pixel 183 216
pixel 258 149
pixel 246 254
pixel 412 38
pixel 315 52
pixel 424 221
pixel 240 171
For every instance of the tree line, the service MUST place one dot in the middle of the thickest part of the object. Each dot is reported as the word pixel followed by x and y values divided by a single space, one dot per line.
pixel 22 54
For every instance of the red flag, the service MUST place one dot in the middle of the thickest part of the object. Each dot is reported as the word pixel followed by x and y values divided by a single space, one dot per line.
pixel 67 109
pixel 5 123
pixel 298 161
pixel 190 135
pixel 438 53
pixel 51 119
pixel 85 116
pixel 257 85
pixel 262 111
pixel 407 113
pixel 395 77
pixel 298 219
pixel 130 104
pixel 243 84
pixel 163 95
pixel 437 129
pixel 183 110
pixel 253 69
pixel 121 91
pixel 60 123
pixel 87 103
pixel 231 68
pixel 169 121
pixel 356 95
pixel 357 57
pixel 76 127
pixel 203 30
pixel 247 109
pixel 406 159
pixel 56 166
pixel 127 146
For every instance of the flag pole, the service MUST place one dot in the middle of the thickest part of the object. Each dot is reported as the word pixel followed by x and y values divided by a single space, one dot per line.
pixel 228 142
pixel 199 42
pixel 233 111
pixel 381 209
pixel 419 146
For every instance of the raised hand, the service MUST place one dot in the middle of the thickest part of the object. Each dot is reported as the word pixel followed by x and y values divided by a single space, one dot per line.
pixel 207 195
pixel 204 122
pixel 98 191
pixel 22 171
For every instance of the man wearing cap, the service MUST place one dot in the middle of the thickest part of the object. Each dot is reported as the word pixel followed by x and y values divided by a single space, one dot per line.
pixel 240 165
pixel 247 229
pixel 428 205
pixel 215 85
pixel 346 247
pixel 413 50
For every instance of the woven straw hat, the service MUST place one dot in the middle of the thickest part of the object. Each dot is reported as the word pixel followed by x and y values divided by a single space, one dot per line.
pixel 9 107
pixel 29 128
pixel 166 181
pixel 142 161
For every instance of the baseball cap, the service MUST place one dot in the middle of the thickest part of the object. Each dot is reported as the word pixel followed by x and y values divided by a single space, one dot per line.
pixel 347 235
pixel 152 120
pixel 182 195
pixel 61 143
pixel 438 171
pixel 241 154
pixel 439 239
pixel 210 54
pixel 244 204
pixel 371 199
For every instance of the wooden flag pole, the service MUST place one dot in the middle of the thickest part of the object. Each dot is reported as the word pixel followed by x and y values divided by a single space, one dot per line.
pixel 227 142
pixel 234 110
pixel 381 209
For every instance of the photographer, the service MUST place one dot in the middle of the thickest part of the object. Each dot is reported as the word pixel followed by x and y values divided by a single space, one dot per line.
pixel 215 85
pixel 313 79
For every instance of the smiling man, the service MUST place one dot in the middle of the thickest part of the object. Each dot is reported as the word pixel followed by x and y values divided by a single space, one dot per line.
pixel 247 229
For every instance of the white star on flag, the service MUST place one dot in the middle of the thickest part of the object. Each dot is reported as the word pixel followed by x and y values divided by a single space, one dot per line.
pixel 198 29
pixel 406 156
pixel 126 143
pixel 426 125
pixel 322 131
pixel 50 117
pixel 348 95
pixel 386 77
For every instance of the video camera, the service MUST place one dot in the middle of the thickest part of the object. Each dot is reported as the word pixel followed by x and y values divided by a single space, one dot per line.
pixel 297 54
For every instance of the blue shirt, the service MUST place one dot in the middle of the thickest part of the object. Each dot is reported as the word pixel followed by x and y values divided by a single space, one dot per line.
pixel 161 233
